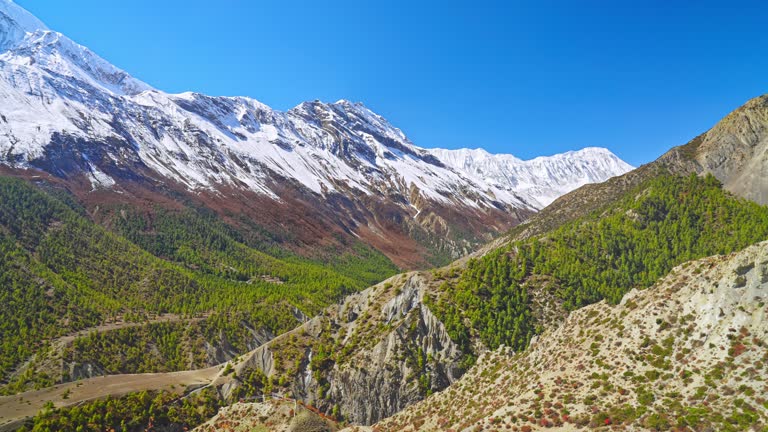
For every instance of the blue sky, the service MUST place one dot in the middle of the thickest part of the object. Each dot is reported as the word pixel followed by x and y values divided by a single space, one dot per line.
pixel 528 78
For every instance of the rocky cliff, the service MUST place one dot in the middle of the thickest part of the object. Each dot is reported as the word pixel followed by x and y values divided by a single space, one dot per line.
pixel 364 359
pixel 736 150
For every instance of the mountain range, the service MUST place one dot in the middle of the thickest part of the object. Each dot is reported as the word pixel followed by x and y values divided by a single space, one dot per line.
pixel 334 170
pixel 179 261
pixel 632 304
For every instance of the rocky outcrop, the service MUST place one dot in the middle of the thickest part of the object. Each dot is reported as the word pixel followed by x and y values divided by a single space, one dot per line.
pixel 386 383
pixel 221 350
pixel 736 151
pixel 383 348
pixel 79 371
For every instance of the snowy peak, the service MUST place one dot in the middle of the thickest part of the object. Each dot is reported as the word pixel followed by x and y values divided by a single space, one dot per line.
pixel 61 56
pixel 467 158
pixel 355 117
pixel 16 23
pixel 26 41
pixel 54 91
pixel 541 180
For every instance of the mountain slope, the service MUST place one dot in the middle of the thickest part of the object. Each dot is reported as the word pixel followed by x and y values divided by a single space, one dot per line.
pixel 733 151
pixel 338 170
pixel 401 340
pixel 396 343
pixel 687 353
pixel 62 273
pixel 518 290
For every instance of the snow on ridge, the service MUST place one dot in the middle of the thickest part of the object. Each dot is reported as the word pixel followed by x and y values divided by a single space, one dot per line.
pixel 25 39
pixel 58 54
pixel 51 85
pixel 540 180
pixel 15 23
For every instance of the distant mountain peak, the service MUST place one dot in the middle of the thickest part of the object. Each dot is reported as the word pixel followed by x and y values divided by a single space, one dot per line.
pixel 540 180
pixel 346 102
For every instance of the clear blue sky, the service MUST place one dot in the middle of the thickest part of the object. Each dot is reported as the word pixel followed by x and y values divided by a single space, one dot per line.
pixel 528 78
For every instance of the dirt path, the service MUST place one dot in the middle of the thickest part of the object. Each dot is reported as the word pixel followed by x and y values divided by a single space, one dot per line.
pixel 16 408
pixel 59 343
pixel 167 318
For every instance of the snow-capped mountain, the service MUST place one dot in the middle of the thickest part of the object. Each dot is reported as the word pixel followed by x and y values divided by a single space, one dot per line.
pixel 68 112
pixel 540 180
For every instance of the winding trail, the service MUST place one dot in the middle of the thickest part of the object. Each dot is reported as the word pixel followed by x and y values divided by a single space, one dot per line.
pixel 19 407
pixel 120 324
pixel 16 409
pixel 62 341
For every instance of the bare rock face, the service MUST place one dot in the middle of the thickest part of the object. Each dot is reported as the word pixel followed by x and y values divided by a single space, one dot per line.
pixel 381 351
pixel 79 371
pixel 385 384
pixel 221 350
pixel 736 151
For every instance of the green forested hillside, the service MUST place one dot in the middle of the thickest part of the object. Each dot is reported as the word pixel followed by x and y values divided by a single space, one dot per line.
pixel 200 241
pixel 134 412
pixel 60 272
pixel 665 222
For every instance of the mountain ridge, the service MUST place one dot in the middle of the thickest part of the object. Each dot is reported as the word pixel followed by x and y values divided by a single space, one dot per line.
pixel 339 171
pixel 41 48
pixel 668 356
pixel 541 177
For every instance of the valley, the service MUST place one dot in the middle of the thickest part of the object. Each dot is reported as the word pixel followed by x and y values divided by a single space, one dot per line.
pixel 175 262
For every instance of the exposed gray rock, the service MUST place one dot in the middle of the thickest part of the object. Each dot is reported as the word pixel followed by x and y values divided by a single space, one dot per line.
pixel 736 151
pixel 402 352
pixel 78 371
pixel 222 350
